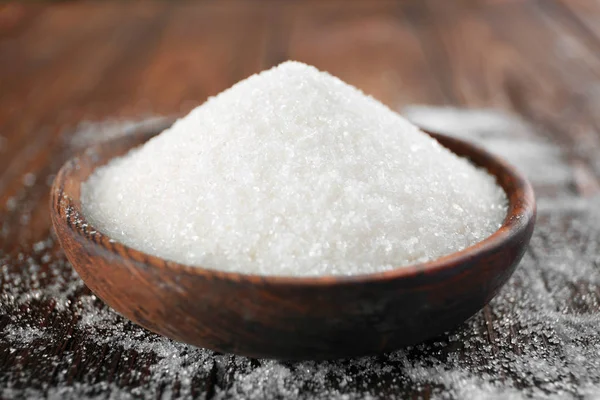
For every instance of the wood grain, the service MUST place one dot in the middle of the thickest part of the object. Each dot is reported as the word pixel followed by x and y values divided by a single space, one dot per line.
pixel 67 62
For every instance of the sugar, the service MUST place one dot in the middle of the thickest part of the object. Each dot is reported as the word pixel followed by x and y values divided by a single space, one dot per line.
pixel 29 179
pixel 89 133
pixel 504 135
pixel 545 342
pixel 293 172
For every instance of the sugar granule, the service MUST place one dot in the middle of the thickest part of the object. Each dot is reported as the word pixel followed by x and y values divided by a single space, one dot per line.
pixel 294 172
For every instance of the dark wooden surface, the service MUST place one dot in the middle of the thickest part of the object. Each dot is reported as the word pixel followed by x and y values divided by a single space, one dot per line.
pixel 67 63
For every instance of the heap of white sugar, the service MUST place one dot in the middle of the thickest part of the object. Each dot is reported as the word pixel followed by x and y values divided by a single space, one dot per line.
pixel 294 172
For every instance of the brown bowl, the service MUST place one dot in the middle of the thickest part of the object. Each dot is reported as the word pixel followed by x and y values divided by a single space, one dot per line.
pixel 291 317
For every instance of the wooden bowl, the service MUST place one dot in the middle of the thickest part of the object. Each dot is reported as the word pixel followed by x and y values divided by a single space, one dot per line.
pixel 290 317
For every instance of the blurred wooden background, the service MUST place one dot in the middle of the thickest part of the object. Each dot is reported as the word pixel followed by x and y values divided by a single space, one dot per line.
pixel 63 63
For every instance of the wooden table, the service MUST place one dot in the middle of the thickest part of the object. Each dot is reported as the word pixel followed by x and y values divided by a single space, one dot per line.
pixel 62 64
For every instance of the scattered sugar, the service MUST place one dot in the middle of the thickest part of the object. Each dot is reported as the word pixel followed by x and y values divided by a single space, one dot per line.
pixel 293 172
pixel 39 246
pixel 89 133
pixel 539 338
pixel 23 334
pixel 11 204
pixel 29 179
pixel 508 137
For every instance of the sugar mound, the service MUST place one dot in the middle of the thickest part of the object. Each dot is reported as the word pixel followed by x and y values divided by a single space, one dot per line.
pixel 294 172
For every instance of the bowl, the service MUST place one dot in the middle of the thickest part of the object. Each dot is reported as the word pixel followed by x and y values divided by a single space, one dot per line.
pixel 290 317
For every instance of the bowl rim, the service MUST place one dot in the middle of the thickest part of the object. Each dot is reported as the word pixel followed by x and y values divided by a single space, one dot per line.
pixel 521 212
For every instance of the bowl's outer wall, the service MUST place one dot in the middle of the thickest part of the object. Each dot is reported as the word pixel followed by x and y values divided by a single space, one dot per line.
pixel 264 317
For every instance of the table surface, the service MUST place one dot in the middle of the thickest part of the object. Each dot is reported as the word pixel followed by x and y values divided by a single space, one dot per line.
pixel 522 78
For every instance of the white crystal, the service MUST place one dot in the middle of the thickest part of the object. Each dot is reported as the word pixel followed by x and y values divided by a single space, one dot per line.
pixel 294 172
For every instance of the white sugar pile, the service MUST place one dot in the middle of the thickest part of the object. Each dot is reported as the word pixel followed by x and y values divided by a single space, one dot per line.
pixel 294 172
